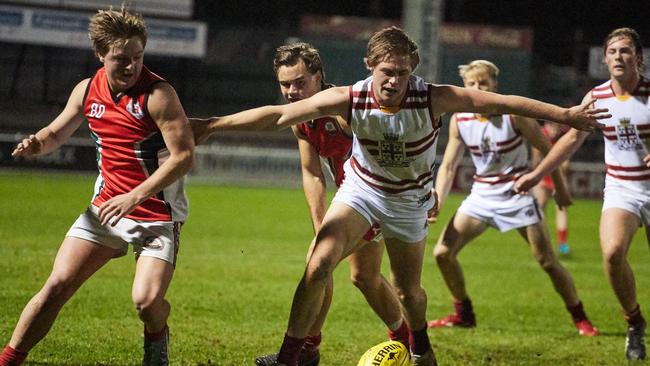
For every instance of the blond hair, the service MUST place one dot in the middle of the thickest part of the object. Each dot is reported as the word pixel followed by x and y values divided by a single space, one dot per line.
pixel 391 41
pixel 109 28
pixel 481 66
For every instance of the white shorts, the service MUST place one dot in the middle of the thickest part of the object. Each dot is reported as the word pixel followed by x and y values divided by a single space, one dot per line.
pixel 159 239
pixel 506 214
pixel 397 216
pixel 616 196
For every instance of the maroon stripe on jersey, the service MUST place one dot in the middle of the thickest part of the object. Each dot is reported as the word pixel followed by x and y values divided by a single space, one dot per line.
pixel 506 142
pixel 473 147
pixel 367 142
pixel 465 119
pixel 644 136
pixel 609 128
pixel 610 137
pixel 424 148
pixel 506 178
pixel 512 172
pixel 503 151
pixel 643 127
pixel 395 190
pixel 428 175
pixel 639 168
pixel 420 141
pixel 629 177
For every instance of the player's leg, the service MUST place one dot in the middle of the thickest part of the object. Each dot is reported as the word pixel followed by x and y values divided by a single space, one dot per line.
pixel 365 273
pixel 76 260
pixel 460 230
pixel 406 268
pixel 562 228
pixel 537 237
pixel 151 281
pixel 342 228
pixel 154 270
pixel 617 228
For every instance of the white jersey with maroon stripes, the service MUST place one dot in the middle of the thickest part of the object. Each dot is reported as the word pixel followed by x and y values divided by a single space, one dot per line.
pixel 497 150
pixel 394 149
pixel 626 135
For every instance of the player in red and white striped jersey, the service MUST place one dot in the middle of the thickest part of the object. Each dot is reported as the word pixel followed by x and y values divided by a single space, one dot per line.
pixel 389 178
pixel 145 147
pixel 497 148
pixel 626 203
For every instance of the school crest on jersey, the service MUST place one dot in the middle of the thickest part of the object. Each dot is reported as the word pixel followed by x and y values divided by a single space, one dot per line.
pixel 392 152
pixel 135 109
pixel 627 137
pixel 489 150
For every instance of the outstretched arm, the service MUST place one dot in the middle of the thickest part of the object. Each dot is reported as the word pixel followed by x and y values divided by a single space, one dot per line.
pixel 58 131
pixel 447 98
pixel 531 131
pixel 450 160
pixel 329 102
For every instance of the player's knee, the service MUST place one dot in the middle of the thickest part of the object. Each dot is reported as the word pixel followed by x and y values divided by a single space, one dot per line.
pixel 409 295
pixel 58 289
pixel 318 270
pixel 442 253
pixel 363 281
pixel 144 303
pixel 613 256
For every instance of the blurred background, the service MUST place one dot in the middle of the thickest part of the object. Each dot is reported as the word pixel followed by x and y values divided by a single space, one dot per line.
pixel 218 56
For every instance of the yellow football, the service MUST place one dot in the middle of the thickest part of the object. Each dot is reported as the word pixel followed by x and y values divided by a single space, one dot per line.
pixel 390 353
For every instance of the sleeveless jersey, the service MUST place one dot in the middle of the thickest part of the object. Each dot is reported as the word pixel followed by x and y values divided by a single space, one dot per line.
pixel 331 142
pixel 393 151
pixel 626 135
pixel 497 150
pixel 130 147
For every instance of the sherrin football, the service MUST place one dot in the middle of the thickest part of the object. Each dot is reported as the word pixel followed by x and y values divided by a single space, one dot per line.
pixel 391 353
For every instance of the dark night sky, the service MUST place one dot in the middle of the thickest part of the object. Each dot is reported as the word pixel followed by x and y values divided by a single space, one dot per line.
pixel 559 25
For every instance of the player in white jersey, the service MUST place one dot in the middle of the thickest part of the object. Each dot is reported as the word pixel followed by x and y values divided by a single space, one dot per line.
pixel 626 203
pixel 394 118
pixel 497 148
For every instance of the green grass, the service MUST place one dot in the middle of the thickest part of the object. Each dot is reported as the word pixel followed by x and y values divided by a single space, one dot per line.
pixel 242 254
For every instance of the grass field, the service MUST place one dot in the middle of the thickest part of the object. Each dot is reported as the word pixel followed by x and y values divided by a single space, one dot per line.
pixel 242 254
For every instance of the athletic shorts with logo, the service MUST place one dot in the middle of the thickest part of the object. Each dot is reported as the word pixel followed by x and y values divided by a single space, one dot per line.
pixel 503 212
pixel 158 239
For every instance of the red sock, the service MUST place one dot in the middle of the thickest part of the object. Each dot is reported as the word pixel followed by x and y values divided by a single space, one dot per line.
pixel 577 312
pixel 290 350
pixel 155 336
pixel 11 357
pixel 401 334
pixel 562 235
pixel 420 341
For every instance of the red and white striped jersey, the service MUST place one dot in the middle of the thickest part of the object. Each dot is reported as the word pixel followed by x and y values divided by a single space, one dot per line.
pixel 130 147
pixel 394 149
pixel 626 134
pixel 497 150
pixel 331 142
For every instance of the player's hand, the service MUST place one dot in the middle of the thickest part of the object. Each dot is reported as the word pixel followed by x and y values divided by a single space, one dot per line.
pixel 526 182
pixel 646 159
pixel 432 214
pixel 29 146
pixel 116 208
pixel 585 117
